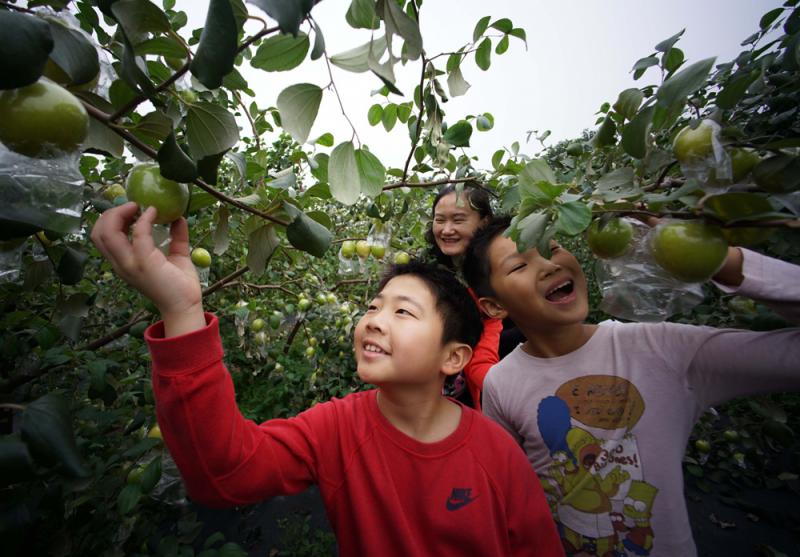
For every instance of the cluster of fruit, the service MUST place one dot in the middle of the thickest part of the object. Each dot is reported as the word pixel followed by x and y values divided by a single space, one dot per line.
pixel 363 249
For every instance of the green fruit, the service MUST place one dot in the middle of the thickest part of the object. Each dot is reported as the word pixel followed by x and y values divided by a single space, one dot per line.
pixel 401 258
pixel 257 325
pixel 377 251
pixel 54 72
pixel 42 120
pixel 743 162
pixel 731 435
pixel 322 299
pixel 313 341
pixel 260 338
pixel 155 432
pixel 114 191
pixel 148 188
pixel 189 96
pixel 742 306
pixel 702 446
pixel 278 367
pixel 174 63
pixel 575 149
pixel 330 297
pixel 288 309
pixel 738 205
pixel 610 239
pixel 348 249
pixel 135 475
pixel 362 249
pixel 303 304
pixel 201 257
pixel 691 251
pixel 693 144
pixel 275 320
pixel 310 351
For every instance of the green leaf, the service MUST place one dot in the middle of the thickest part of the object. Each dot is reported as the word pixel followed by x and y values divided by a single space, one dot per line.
pixel 642 64
pixel 218 46
pixel 537 171
pixel 288 13
pixel 73 54
pixel 375 114
pixel 306 234
pixel 666 44
pixel 502 45
pixel 769 18
pixel 47 430
pixel 151 475
pixel 458 134
pixel 531 229
pixel 138 18
pixel 520 34
pixel 128 498
pixel 361 15
pixel 733 91
pixel 497 158
pixel 326 140
pixel 483 55
pixel 70 268
pixel 573 217
pixel 298 106
pixel 319 166
pixel 628 102
pixel 173 163
pixel 208 166
pixel 389 116
pixel 210 130
pixel 343 174
pixel 456 83
pixel 281 53
pixel 634 135
pixel 16 464
pixel 25 45
pixel 678 87
pixel 397 21
pixel 371 173
pixel 403 112
pixel 503 25
pixel 606 135
pixel 357 59
pixel 161 46
pixel 480 28
pixel 319 43
pixel 261 244
pixel 673 59
pixel 102 138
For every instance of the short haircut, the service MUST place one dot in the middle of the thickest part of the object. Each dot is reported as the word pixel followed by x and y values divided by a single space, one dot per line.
pixel 478 200
pixel 460 316
pixel 477 267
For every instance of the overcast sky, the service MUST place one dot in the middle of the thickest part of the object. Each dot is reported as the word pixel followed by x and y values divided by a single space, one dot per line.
pixel 579 55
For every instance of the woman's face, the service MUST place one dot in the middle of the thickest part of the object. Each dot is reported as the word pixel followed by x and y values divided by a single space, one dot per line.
pixel 454 224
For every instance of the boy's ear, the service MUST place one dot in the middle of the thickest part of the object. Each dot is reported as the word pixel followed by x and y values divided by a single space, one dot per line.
pixel 492 308
pixel 457 357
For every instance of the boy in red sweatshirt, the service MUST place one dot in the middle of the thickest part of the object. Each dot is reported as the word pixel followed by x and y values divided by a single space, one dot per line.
pixel 402 470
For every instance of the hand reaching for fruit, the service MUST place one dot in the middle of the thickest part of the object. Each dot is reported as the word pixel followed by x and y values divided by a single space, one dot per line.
pixel 170 281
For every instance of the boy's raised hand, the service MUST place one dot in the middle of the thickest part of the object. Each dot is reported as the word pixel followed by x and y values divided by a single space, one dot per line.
pixel 170 281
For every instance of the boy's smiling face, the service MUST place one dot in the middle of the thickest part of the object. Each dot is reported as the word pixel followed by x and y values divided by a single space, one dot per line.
pixel 536 292
pixel 399 338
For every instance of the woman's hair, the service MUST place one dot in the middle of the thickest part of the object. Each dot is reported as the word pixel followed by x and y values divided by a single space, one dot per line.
pixel 478 199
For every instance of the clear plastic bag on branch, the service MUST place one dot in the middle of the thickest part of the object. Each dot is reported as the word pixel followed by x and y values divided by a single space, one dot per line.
pixel 705 159
pixel 348 265
pixel 380 234
pixel 634 287
pixel 44 193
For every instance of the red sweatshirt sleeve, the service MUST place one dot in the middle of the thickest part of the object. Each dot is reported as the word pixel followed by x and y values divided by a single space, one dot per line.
pixel 484 356
pixel 226 460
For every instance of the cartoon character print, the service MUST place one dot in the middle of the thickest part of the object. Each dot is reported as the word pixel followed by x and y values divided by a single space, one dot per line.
pixel 595 485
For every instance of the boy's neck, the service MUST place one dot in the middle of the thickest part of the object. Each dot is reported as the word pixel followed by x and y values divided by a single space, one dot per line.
pixel 557 341
pixel 422 417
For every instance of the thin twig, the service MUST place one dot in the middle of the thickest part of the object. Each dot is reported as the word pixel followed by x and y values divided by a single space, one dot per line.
pixel 249 118
pixel 139 99
pixel 419 120
pixel 291 336
pixel 404 184
pixel 348 281
pixel 339 98
pixel 16 8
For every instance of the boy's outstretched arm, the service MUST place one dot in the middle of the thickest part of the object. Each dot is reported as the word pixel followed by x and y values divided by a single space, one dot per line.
pixel 170 281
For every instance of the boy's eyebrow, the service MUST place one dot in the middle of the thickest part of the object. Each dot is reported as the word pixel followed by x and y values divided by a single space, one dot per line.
pixel 408 299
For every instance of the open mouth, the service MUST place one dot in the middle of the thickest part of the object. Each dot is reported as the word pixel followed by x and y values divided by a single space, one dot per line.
pixel 374 349
pixel 560 292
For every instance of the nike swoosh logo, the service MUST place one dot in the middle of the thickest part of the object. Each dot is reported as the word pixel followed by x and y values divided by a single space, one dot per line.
pixel 455 504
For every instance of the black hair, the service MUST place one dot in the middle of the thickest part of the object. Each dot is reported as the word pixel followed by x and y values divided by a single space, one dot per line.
pixel 477 267
pixel 478 199
pixel 460 315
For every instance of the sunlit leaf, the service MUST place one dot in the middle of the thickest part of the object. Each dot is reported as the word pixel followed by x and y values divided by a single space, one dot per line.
pixel 298 106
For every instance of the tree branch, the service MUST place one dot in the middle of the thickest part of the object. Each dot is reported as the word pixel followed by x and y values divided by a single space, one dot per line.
pixel 419 120
pixel 404 184
pixel 138 99
pixel 149 151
